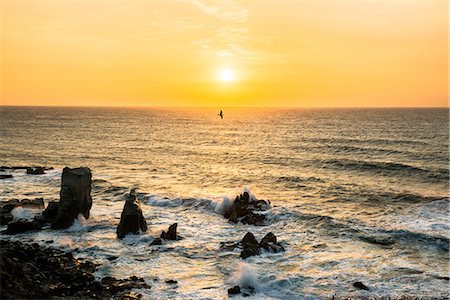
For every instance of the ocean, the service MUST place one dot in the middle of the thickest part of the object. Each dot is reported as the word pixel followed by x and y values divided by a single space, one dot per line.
pixel 356 194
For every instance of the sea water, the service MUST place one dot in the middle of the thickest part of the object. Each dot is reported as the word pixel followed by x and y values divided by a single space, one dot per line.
pixel 356 194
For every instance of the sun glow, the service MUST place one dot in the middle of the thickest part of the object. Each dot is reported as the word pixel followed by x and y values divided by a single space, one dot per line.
pixel 226 75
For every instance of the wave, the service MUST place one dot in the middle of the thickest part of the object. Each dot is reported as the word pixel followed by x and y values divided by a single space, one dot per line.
pixel 385 168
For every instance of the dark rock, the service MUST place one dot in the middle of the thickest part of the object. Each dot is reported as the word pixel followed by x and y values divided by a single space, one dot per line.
pixel 51 212
pixel 7 207
pixel 156 242
pixel 5 218
pixel 5 176
pixel 35 170
pixel 37 203
pixel 132 219
pixel 269 243
pixel 171 281
pixel 384 241
pixel 171 233
pixel 250 245
pixel 360 285
pixel 31 271
pixel 244 210
pixel 75 196
pixel 20 226
pixel 234 290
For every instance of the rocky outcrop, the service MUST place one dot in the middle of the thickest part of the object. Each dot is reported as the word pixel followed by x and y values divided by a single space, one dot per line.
pixel 35 170
pixel 249 245
pixel 28 271
pixel 132 219
pixel 75 196
pixel 7 207
pixel 171 234
pixel 21 226
pixel 245 210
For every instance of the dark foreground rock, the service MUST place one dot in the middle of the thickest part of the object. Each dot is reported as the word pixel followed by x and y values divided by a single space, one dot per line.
pixel 245 210
pixel 7 207
pixel 21 226
pixel 132 219
pixel 29 271
pixel 250 245
pixel 75 196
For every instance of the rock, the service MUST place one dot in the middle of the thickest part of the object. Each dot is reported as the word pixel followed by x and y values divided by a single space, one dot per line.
pixel 23 168
pixel 250 245
pixel 156 242
pixel 7 207
pixel 31 271
pixel 360 285
pixel 171 233
pixel 5 176
pixel 75 196
pixel 35 170
pixel 234 290
pixel 132 219
pixel 20 226
pixel 171 281
pixel 269 243
pixel 384 241
pixel 244 210
pixel 51 211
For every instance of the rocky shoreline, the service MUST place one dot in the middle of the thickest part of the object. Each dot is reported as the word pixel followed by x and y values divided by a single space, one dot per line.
pixel 31 271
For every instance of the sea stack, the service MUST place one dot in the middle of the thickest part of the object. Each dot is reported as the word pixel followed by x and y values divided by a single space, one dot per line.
pixel 75 196
pixel 132 219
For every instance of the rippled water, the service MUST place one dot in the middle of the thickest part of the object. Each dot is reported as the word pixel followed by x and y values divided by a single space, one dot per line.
pixel 337 180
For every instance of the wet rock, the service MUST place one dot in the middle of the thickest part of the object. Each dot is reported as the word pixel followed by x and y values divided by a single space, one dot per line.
pixel 245 208
pixel 21 226
pixel 360 285
pixel 31 271
pixel 7 207
pixel 171 281
pixel 6 176
pixel 171 233
pixel 156 242
pixel 384 241
pixel 51 212
pixel 75 196
pixel 269 243
pixel 250 245
pixel 234 290
pixel 132 219
pixel 35 170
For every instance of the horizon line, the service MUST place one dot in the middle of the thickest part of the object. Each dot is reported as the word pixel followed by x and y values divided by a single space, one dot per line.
pixel 271 107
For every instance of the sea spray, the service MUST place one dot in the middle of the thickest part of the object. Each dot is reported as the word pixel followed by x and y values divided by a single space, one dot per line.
pixel 20 213
pixel 245 276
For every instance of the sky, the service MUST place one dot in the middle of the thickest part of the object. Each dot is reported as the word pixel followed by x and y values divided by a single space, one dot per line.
pixel 305 53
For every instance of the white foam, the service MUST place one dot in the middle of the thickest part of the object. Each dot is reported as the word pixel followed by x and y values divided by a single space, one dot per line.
pixel 156 201
pixel 20 213
pixel 79 224
pixel 222 207
pixel 245 276
pixel 65 242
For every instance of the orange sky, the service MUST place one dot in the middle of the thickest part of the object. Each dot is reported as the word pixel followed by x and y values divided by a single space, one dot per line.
pixel 319 53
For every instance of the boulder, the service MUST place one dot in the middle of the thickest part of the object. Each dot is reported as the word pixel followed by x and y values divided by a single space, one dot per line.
pixel 156 242
pixel 35 170
pixel 234 290
pixel 250 246
pixel 360 285
pixel 269 243
pixel 244 209
pixel 132 219
pixel 75 196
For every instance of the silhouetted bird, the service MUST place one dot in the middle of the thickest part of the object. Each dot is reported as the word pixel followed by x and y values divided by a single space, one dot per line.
pixel 221 114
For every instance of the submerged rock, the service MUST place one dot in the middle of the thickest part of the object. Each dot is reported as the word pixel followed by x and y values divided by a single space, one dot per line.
pixel 35 170
pixel 250 245
pixel 234 290
pixel 244 209
pixel 132 219
pixel 29 271
pixel 5 176
pixel 360 285
pixel 75 196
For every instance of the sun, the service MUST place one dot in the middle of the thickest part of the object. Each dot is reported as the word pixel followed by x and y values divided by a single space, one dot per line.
pixel 226 75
